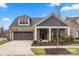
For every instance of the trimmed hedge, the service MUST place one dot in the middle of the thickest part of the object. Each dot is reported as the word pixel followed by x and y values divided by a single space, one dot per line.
pixel 64 38
pixel 67 38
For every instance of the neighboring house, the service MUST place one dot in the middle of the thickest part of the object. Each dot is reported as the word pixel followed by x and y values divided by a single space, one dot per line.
pixel 27 28
pixel 73 22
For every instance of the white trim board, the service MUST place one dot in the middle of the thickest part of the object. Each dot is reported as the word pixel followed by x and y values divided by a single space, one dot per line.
pixel 52 27
pixel 20 20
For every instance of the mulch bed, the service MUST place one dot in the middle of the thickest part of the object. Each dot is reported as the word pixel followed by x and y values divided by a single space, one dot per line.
pixel 67 43
pixel 44 44
pixel 56 51
pixel 53 43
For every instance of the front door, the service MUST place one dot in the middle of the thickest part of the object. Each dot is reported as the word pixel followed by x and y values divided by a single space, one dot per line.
pixel 43 34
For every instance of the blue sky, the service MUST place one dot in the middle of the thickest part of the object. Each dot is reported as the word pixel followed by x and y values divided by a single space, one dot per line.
pixel 9 11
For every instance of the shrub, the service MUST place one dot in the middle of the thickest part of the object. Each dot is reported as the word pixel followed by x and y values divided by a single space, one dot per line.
pixel 64 38
pixel 67 38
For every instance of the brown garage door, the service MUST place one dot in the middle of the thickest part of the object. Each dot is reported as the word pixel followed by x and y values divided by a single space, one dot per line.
pixel 23 35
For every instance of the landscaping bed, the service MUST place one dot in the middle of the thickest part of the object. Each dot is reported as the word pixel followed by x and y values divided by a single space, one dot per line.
pixel 63 40
pixel 69 43
pixel 44 44
pixel 54 44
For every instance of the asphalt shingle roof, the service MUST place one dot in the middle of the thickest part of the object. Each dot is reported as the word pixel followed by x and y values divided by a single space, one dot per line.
pixel 32 20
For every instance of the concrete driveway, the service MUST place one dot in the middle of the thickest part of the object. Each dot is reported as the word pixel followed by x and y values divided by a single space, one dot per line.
pixel 17 48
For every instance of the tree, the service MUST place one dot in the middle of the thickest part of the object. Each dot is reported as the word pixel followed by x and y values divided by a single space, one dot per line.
pixel 1 31
pixel 58 13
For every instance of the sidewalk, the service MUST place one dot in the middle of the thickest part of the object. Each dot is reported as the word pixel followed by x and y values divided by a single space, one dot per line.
pixel 55 46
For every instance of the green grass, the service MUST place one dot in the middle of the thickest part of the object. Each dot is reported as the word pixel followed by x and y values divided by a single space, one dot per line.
pixel 73 50
pixel 3 41
pixel 39 51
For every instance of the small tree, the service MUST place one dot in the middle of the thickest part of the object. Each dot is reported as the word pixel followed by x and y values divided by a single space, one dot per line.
pixel 56 5
pixel 1 31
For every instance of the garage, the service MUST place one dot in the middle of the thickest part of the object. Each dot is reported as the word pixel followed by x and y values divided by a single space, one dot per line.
pixel 23 35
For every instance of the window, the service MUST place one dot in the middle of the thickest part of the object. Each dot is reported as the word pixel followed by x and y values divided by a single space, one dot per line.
pixel 23 22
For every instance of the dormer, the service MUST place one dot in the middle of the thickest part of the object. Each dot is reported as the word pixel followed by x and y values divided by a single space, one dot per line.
pixel 23 21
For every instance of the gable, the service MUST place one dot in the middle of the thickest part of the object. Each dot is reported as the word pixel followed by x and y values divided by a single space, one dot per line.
pixel 52 21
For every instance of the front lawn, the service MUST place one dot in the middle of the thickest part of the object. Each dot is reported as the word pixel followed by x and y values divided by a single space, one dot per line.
pixel 73 50
pixel 53 51
pixel 39 51
pixel 50 51
pixel 3 41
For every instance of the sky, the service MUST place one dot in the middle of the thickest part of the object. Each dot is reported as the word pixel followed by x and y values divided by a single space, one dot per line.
pixel 9 11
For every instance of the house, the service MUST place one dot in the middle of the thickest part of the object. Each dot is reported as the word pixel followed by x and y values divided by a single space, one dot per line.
pixel 73 22
pixel 27 28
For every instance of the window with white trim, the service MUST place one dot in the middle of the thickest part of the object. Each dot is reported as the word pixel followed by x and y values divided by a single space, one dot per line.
pixel 23 22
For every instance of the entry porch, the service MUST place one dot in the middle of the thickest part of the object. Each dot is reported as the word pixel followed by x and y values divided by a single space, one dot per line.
pixel 49 33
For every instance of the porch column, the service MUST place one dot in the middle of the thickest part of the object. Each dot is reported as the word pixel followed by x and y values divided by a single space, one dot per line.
pixel 68 31
pixel 35 34
pixel 49 34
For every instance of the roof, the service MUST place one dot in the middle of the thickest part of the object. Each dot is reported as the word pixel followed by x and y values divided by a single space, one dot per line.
pixel 32 21
pixel 51 15
pixel 35 21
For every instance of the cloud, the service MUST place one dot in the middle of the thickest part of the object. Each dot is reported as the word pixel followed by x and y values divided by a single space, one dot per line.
pixel 43 15
pixel 54 4
pixel 73 7
pixel 3 5
pixel 5 19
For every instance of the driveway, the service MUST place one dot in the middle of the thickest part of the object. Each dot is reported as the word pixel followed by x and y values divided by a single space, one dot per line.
pixel 17 48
